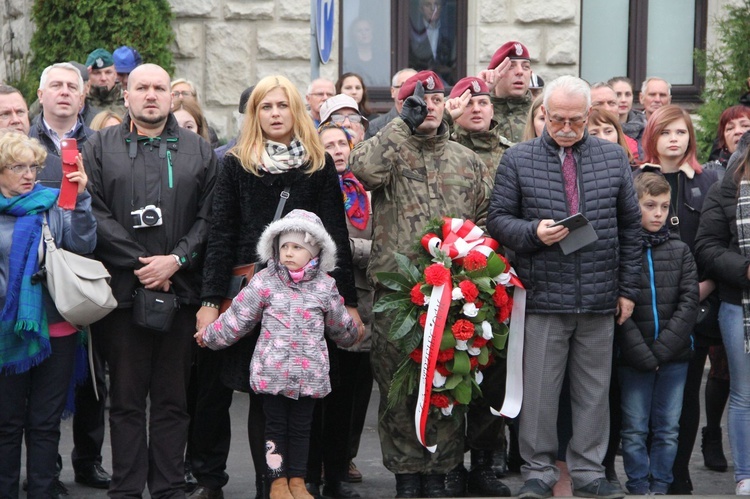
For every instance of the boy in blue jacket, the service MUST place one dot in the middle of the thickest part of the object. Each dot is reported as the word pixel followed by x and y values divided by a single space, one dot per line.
pixel 655 344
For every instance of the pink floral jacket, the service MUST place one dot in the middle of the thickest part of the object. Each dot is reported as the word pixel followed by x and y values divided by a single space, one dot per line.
pixel 291 357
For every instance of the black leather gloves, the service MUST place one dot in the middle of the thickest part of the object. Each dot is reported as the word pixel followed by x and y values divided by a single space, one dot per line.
pixel 414 110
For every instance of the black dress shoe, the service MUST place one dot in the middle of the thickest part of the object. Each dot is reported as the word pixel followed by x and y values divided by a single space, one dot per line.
pixel 408 485
pixel 205 493
pixel 93 476
pixel 339 490
pixel 190 482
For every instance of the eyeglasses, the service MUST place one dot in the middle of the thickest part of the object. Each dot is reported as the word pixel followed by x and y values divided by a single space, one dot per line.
pixel 340 118
pixel 183 94
pixel 322 94
pixel 578 120
pixel 22 169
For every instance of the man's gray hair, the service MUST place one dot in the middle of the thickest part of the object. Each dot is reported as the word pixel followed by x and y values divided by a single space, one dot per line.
pixel 394 80
pixel 601 84
pixel 60 65
pixel 648 80
pixel 571 86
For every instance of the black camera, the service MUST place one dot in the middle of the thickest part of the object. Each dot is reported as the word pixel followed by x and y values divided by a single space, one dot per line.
pixel 148 216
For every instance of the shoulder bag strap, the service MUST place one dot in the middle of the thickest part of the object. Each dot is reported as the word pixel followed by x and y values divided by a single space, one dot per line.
pixel 282 201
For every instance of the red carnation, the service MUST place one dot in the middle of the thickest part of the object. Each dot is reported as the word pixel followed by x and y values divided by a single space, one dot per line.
pixel 500 297
pixel 470 291
pixel 439 367
pixel 446 355
pixel 439 400
pixel 423 319
pixel 463 329
pixel 473 362
pixel 475 261
pixel 416 355
pixel 436 275
pixel 417 297
pixel 504 312
pixel 479 342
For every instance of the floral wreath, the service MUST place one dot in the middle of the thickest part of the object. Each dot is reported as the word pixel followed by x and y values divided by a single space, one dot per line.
pixel 452 311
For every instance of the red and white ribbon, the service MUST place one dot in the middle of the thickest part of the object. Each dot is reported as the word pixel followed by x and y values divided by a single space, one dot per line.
pixel 459 237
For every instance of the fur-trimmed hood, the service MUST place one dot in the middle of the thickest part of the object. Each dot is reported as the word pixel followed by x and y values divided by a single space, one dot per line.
pixel 299 221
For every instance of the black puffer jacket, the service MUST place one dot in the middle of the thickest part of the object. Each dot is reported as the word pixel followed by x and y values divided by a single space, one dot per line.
pixel 244 204
pixel 716 246
pixel 670 271
pixel 529 187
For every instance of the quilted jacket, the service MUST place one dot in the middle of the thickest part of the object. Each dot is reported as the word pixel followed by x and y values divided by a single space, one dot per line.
pixel 659 331
pixel 529 187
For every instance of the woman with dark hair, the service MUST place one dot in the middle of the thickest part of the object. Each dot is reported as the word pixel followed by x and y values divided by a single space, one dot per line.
pixel 669 143
pixel 722 249
pixel 633 122
pixel 190 116
pixel 278 157
pixel 733 123
pixel 354 86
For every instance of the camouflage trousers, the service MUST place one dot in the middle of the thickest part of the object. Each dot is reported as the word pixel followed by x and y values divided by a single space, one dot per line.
pixel 402 452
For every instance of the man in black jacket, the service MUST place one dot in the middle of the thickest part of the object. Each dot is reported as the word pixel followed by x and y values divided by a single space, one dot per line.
pixel 151 184
pixel 573 297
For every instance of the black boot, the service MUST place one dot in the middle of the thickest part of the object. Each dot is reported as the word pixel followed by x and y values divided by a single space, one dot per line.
pixel 500 462
pixel 482 480
pixel 408 485
pixel 433 485
pixel 713 449
pixel 514 453
pixel 455 481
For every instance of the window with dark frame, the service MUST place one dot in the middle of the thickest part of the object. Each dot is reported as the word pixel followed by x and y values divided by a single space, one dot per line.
pixel 424 34
pixel 643 38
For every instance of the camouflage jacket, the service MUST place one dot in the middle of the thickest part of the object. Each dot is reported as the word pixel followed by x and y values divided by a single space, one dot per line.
pixel 414 179
pixel 511 114
pixel 489 145
pixel 111 101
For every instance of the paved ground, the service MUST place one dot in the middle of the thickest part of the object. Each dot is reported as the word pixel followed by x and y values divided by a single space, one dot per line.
pixel 378 482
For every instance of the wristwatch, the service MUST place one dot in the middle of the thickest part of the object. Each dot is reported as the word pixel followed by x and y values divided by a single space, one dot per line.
pixel 177 259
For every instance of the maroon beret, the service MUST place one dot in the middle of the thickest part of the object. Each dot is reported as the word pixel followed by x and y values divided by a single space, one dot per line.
pixel 472 84
pixel 430 81
pixel 512 50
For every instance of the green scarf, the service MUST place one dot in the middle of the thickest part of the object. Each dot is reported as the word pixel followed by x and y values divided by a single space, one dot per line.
pixel 24 336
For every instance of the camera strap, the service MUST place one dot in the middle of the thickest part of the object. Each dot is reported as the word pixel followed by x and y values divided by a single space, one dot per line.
pixel 133 140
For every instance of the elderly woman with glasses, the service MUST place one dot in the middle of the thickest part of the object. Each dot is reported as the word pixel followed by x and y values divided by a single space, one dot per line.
pixel 37 347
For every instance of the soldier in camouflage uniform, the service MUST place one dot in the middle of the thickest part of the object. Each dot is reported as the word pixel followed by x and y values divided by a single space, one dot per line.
pixel 105 92
pixel 474 127
pixel 508 75
pixel 471 110
pixel 415 174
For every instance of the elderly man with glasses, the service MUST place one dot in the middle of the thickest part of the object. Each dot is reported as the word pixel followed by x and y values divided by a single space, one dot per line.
pixel 576 291
pixel 317 93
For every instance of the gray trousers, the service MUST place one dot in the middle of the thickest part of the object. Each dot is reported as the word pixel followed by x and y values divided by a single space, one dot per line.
pixel 582 344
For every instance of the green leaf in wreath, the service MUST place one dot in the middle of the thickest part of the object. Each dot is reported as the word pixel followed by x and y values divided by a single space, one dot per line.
pixel 460 363
pixel 402 323
pixel 404 263
pixel 448 341
pixel 495 265
pixel 462 392
pixel 500 339
pixel 484 355
pixel 392 301
pixel 453 381
pixel 412 339
pixel 395 281
pixel 403 383
pixel 484 284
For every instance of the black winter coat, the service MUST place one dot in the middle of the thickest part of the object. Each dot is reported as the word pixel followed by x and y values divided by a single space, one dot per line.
pixel 716 246
pixel 529 187
pixel 176 172
pixel 670 270
pixel 245 204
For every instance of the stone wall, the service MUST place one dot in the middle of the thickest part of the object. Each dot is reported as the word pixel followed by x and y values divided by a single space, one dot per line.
pixel 223 46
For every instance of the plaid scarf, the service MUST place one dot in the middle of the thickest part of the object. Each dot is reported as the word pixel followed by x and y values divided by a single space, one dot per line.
pixel 24 338
pixel 278 158
pixel 743 238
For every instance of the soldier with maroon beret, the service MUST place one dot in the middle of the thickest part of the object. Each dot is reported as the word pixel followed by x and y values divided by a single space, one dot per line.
pixel 508 75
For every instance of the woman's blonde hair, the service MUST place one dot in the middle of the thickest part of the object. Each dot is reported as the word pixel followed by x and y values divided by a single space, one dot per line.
pixel 16 145
pixel 102 117
pixel 529 132
pixel 251 143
